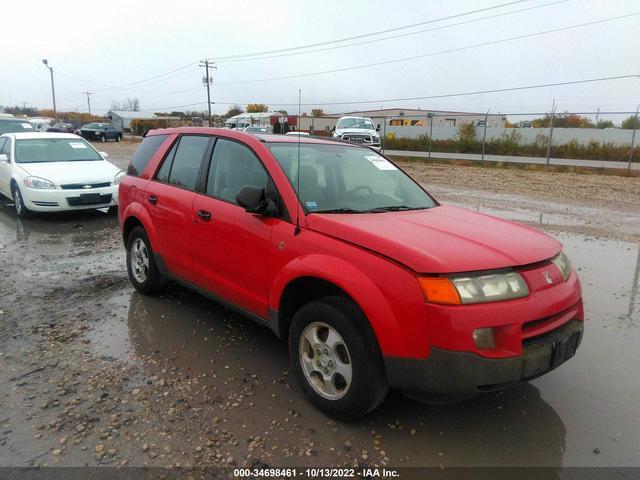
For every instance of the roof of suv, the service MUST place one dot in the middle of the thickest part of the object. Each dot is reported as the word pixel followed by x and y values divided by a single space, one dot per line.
pixel 266 138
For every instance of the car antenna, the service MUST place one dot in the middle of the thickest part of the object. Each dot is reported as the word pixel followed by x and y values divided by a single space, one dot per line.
pixel 296 231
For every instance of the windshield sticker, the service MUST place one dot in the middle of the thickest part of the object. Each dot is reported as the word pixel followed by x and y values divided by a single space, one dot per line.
pixel 77 145
pixel 380 163
pixel 27 125
pixel 311 205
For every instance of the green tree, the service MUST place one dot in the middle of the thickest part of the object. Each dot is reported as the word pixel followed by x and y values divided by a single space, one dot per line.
pixel 632 122
pixel 604 124
pixel 257 108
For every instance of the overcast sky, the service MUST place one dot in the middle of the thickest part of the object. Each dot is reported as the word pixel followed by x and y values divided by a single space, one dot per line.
pixel 98 46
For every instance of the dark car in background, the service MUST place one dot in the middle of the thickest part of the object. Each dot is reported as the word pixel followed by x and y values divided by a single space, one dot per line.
pixel 100 132
pixel 15 125
pixel 62 127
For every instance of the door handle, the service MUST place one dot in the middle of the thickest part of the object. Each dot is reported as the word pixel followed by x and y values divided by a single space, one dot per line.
pixel 152 199
pixel 204 215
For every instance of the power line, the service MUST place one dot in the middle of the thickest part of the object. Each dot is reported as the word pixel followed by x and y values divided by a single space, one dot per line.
pixel 401 35
pixel 371 34
pixel 441 52
pixel 459 94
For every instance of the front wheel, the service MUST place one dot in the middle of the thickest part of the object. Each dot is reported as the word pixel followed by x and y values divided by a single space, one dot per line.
pixel 118 138
pixel 336 357
pixel 21 210
pixel 103 138
pixel 141 266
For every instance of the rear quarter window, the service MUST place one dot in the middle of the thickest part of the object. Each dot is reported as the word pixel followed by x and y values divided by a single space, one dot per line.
pixel 145 151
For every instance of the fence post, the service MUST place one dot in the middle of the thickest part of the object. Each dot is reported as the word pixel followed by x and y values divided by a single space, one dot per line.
pixel 633 138
pixel 484 136
pixel 430 115
pixel 384 134
pixel 553 112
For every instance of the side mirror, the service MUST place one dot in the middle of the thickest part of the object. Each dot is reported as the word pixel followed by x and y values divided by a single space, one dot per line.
pixel 378 128
pixel 253 200
pixel 103 154
pixel 4 157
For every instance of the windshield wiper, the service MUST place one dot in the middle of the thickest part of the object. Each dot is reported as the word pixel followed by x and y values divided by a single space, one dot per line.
pixel 394 208
pixel 338 210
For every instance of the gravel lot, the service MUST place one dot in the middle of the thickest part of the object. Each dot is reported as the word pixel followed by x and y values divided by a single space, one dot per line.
pixel 92 373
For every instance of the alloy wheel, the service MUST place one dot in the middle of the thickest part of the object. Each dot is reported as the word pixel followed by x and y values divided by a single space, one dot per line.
pixel 325 360
pixel 139 256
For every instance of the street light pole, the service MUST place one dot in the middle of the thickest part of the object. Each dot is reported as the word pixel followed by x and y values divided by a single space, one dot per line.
pixel 53 89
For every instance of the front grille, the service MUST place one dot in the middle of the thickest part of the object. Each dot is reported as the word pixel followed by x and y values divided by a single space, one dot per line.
pixel 541 326
pixel 356 138
pixel 77 201
pixel 84 186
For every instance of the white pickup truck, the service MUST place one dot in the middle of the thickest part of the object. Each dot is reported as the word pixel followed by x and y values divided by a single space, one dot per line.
pixel 359 130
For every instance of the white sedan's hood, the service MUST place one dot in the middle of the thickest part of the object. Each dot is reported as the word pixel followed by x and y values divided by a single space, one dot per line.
pixel 61 173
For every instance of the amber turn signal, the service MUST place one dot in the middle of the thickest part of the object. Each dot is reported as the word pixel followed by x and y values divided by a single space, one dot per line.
pixel 439 290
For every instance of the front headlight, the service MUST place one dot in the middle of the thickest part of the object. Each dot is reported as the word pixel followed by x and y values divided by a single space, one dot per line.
pixel 564 265
pixel 39 183
pixel 492 287
pixel 118 177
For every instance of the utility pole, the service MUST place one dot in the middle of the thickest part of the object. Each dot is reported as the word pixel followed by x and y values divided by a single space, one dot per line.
pixel 87 93
pixel 208 80
pixel 53 90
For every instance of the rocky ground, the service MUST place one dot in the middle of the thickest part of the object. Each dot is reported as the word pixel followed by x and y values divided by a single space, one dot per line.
pixel 92 373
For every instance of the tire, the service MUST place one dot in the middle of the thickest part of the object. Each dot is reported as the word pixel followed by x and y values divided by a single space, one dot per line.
pixel 142 269
pixel 103 139
pixel 355 345
pixel 21 210
pixel 118 138
pixel 113 211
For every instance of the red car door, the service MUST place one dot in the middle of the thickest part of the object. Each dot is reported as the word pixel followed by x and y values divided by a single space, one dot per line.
pixel 230 247
pixel 169 198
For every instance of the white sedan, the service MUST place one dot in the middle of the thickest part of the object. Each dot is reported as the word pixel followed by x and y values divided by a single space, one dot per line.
pixel 52 172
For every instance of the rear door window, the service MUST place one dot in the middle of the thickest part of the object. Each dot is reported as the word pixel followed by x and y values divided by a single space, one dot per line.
pixel 143 154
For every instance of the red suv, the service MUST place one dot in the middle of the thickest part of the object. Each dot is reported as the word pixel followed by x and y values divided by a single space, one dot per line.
pixel 333 247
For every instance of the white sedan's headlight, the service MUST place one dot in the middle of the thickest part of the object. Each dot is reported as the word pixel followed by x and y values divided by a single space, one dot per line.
pixel 118 177
pixel 39 183
pixel 490 288
pixel 564 265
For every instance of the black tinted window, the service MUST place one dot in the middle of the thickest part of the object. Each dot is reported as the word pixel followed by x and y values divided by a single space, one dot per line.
pixel 165 169
pixel 233 167
pixel 187 160
pixel 143 154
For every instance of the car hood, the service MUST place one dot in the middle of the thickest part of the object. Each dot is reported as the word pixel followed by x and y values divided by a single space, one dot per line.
pixel 442 239
pixel 60 173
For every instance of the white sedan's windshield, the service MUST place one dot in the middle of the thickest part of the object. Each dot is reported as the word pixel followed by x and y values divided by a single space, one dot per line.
pixel 36 150
pixel 344 179
pixel 355 123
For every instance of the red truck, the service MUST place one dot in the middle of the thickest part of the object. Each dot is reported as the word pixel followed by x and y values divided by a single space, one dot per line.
pixel 332 246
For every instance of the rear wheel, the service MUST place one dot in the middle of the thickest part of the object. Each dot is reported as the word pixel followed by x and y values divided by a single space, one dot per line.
pixel 118 138
pixel 21 210
pixel 336 357
pixel 141 266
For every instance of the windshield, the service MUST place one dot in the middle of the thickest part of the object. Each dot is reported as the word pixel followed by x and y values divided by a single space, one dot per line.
pixel 13 126
pixel 362 123
pixel 38 150
pixel 344 179
pixel 94 126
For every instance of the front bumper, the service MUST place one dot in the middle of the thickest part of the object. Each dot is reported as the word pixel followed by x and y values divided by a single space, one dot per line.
pixel 449 375
pixel 69 199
